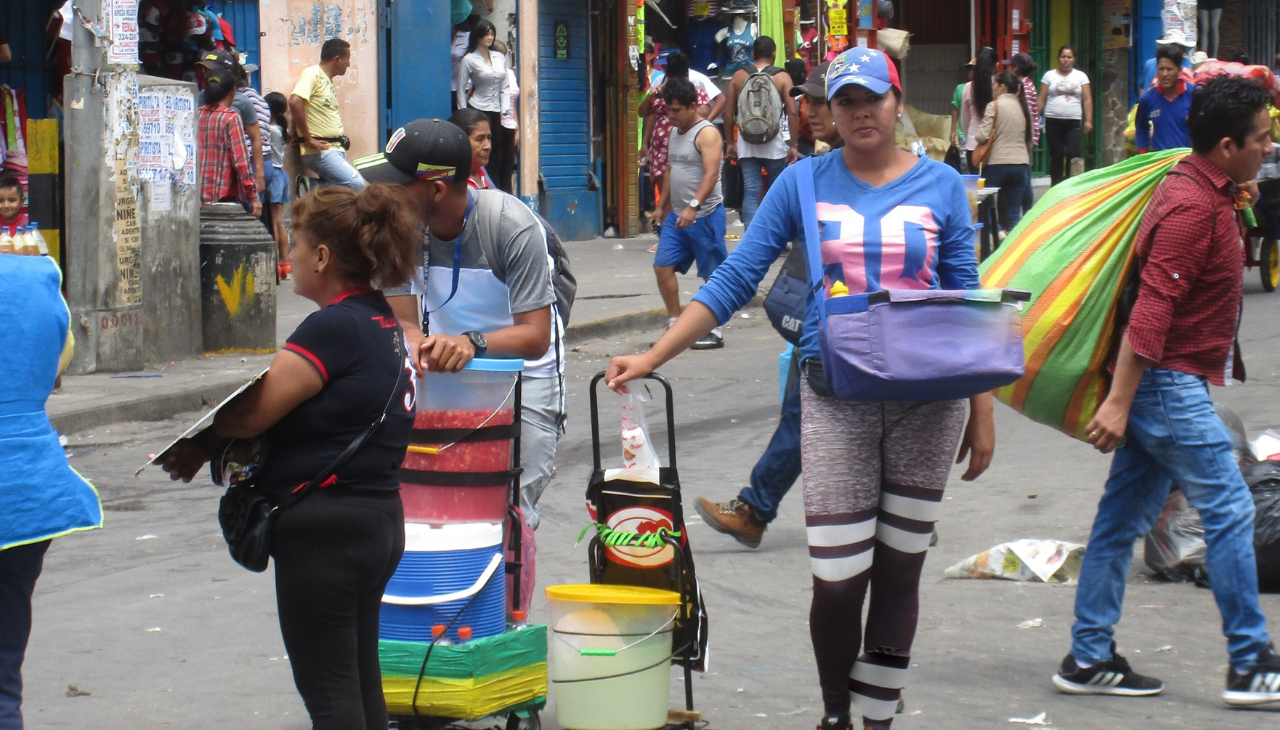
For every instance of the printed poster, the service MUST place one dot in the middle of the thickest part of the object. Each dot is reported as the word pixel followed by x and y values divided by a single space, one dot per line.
pixel 123 32
pixel 128 239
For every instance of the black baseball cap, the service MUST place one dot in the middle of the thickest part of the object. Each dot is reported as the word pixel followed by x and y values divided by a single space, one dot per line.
pixel 424 149
pixel 1021 60
pixel 218 59
pixel 816 84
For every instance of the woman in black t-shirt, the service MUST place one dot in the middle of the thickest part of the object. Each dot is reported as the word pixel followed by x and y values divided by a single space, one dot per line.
pixel 336 549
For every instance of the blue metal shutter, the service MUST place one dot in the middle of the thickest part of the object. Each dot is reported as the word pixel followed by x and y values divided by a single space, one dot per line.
pixel 243 17
pixel 564 96
pixel 415 65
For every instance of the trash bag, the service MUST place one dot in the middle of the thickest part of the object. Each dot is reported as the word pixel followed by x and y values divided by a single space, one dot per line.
pixel 1263 479
pixel 1174 549
pixel 1074 252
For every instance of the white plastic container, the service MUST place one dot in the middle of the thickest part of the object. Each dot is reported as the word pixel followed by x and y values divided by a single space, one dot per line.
pixel 609 650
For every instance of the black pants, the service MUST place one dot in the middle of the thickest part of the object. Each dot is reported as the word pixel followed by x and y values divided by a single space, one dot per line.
pixel 334 553
pixel 502 161
pixel 1063 136
pixel 19 568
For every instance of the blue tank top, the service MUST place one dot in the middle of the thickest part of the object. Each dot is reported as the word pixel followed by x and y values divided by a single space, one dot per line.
pixel 739 45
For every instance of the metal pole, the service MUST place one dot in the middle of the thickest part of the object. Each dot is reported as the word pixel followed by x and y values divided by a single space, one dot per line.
pixel 527 31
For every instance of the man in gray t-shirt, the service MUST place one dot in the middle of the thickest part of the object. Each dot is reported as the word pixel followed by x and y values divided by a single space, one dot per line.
pixel 691 211
pixel 485 283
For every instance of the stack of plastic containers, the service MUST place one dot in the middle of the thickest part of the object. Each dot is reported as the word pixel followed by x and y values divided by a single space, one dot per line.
pixel 446 647
pixel 455 484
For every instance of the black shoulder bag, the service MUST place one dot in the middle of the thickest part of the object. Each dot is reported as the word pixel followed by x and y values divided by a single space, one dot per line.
pixel 246 515
pixel 787 301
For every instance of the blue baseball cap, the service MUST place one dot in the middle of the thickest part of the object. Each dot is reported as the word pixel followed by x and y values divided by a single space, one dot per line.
pixel 865 67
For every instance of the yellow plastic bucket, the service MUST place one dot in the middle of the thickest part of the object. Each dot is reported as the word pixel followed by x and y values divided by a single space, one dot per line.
pixel 609 648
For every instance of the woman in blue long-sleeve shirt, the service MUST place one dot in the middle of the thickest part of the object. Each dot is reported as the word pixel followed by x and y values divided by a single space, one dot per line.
pixel 874 472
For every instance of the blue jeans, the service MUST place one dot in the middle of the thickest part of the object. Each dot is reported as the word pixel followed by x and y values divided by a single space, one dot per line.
pixel 1174 435
pixel 333 168
pixel 1013 181
pixel 19 568
pixel 779 466
pixel 757 175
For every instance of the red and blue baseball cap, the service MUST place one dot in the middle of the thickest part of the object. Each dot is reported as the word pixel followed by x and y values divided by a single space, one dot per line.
pixel 865 67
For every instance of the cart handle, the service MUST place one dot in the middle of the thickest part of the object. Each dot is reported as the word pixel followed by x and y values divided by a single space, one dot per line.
pixel 448 597
pixel 595 419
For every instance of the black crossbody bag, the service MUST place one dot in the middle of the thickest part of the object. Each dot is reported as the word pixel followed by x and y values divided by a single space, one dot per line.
pixel 786 304
pixel 246 516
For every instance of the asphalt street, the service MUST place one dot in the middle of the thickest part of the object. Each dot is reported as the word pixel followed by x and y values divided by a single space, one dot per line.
pixel 150 624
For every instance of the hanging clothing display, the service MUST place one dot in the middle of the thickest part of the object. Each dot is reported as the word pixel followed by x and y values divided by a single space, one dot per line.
pixel 771 25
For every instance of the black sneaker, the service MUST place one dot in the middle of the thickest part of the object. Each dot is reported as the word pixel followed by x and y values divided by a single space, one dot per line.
pixel 835 722
pixel 713 340
pixel 1258 686
pixel 1115 677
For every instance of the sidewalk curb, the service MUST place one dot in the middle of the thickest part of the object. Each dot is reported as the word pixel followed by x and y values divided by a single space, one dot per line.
pixel 576 334
pixel 209 392
pixel 153 407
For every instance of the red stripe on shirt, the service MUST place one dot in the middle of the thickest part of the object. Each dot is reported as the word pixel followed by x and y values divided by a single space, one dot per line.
pixel 304 352
pixel 354 291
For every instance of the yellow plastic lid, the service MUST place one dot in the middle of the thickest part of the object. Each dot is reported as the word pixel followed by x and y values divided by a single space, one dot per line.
pixel 598 593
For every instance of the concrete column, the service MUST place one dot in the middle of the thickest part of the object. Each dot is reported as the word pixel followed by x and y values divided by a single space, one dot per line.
pixel 131 264
pixel 106 311
pixel 527 31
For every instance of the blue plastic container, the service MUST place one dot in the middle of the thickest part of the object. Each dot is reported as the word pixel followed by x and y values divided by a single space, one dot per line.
pixel 443 567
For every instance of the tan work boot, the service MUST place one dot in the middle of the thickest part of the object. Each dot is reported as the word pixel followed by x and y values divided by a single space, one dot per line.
pixel 731 518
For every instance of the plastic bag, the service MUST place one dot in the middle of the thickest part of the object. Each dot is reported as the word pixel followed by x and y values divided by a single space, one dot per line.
pixel 1174 549
pixel 1028 560
pixel 639 459
pixel 1074 252
pixel 1264 482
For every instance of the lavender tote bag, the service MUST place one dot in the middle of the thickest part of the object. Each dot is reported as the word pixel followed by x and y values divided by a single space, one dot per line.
pixel 911 344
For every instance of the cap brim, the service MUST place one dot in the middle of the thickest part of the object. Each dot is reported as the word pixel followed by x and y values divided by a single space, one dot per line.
pixel 875 86
pixel 250 68
pixel 807 89
pixel 378 169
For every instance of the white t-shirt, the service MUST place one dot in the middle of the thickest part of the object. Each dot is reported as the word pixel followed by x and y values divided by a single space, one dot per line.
pixel 1064 94
pixel 709 86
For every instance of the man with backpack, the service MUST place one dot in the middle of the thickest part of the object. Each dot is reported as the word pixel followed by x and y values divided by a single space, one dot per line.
pixel 494 282
pixel 763 112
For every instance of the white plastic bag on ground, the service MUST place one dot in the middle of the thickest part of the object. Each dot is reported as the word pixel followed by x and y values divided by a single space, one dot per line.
pixel 1030 560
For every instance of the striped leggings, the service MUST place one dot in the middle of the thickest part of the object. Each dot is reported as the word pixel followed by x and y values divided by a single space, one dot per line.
pixel 873 480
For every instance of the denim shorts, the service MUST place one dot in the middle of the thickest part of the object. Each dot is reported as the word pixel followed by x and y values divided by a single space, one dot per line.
pixel 278 186
pixel 702 242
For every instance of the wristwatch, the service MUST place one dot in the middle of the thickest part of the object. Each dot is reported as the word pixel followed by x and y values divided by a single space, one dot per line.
pixel 695 204
pixel 478 341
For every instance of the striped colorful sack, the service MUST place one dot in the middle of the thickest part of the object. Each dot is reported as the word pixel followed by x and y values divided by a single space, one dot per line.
pixel 1074 253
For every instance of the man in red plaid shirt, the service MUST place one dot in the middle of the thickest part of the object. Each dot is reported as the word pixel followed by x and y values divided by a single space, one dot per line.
pixel 225 169
pixel 1181 337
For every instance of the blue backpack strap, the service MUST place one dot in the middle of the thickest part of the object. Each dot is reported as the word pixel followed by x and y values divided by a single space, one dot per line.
pixel 809 213
pixel 457 260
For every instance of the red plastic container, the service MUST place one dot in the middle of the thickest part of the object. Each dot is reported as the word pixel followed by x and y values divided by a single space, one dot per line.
pixel 464 426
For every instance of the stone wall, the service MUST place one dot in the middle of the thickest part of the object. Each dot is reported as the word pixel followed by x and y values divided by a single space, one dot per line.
pixel 1113 98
